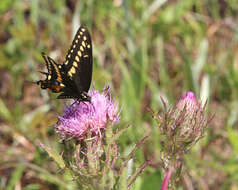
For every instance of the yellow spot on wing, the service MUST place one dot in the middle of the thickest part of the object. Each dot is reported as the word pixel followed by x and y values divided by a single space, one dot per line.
pixel 49 77
pixel 75 64
pixel 66 62
pixel 83 43
pixel 74 46
pixel 76 41
pixel 80 34
pixel 83 29
pixel 71 50
pixel 84 38
pixel 81 48
pixel 88 46
pixel 72 71
pixel 58 73
pixel 77 58
pixel 79 53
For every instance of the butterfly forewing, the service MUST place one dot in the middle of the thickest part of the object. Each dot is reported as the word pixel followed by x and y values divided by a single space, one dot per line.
pixel 78 61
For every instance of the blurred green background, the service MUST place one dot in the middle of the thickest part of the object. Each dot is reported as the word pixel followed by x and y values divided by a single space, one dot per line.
pixel 143 49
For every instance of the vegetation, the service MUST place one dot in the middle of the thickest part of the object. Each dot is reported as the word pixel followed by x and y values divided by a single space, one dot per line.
pixel 144 50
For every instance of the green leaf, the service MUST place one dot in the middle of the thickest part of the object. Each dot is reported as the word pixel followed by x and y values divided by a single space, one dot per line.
pixel 233 138
pixel 32 187
pixel 4 111
pixel 57 158
pixel 152 181
pixel 197 68
pixel 16 176
pixel 4 5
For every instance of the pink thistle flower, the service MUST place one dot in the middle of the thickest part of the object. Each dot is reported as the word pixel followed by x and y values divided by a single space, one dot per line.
pixel 80 118
pixel 188 102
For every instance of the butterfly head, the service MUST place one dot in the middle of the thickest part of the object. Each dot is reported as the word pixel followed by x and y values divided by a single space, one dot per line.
pixel 85 97
pixel 53 85
pixel 43 84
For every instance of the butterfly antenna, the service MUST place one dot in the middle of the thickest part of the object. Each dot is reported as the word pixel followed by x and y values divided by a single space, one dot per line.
pixel 44 73
pixel 31 82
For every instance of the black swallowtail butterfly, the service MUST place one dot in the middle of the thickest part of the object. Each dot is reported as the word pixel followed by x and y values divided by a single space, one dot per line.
pixel 72 78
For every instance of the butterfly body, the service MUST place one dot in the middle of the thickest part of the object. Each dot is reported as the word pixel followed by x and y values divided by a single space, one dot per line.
pixel 72 78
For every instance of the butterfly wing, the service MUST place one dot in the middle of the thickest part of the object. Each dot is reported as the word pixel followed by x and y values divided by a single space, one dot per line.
pixel 73 77
pixel 54 72
pixel 78 62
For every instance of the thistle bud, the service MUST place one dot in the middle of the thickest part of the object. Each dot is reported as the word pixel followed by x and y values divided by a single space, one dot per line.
pixel 181 126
